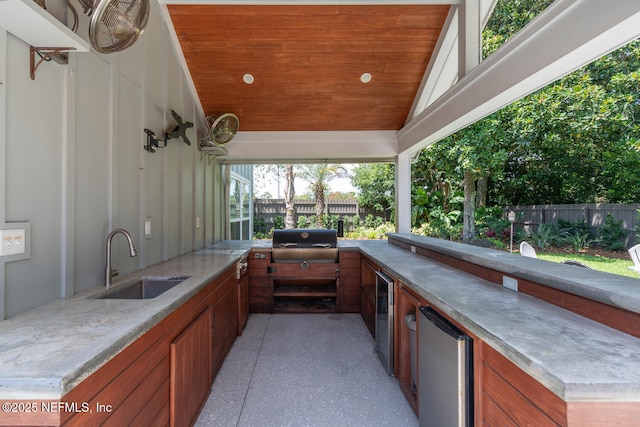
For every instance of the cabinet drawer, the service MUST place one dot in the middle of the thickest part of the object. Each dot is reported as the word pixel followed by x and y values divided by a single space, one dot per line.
pixel 326 271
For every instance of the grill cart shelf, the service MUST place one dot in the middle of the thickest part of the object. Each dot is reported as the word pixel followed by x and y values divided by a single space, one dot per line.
pixel 304 287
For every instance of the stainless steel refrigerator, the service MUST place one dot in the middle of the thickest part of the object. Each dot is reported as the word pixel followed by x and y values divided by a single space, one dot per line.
pixel 445 372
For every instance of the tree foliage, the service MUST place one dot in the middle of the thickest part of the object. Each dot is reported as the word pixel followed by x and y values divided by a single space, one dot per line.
pixel 319 175
pixel 574 141
pixel 376 185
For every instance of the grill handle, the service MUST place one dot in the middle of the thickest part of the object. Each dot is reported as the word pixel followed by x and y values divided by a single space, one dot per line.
pixel 321 245
pixel 288 245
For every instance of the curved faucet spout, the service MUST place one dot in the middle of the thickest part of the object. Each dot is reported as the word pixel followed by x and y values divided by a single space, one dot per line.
pixel 109 273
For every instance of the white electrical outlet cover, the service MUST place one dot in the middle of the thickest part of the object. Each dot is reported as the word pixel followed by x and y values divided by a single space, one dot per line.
pixel 510 283
pixel 12 242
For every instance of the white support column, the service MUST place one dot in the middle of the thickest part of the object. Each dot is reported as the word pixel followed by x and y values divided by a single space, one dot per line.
pixel 469 36
pixel 403 193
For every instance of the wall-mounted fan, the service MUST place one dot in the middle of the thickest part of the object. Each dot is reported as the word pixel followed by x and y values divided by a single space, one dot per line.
pixel 222 129
pixel 115 24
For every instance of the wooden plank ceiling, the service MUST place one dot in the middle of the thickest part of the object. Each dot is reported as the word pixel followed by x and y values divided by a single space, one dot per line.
pixel 307 62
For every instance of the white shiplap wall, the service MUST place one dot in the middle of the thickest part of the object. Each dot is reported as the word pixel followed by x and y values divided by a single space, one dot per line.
pixel 73 165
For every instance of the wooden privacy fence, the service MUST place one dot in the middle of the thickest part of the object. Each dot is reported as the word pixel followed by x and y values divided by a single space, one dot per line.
pixel 594 214
pixel 268 209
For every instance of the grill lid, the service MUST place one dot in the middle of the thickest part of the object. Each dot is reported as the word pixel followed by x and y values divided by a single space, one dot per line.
pixel 298 244
pixel 304 238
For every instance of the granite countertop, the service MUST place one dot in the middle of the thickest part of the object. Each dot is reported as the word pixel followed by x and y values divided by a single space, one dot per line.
pixel 611 289
pixel 49 350
pixel 576 358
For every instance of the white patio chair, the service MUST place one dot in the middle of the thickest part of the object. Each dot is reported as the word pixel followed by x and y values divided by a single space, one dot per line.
pixel 634 252
pixel 527 250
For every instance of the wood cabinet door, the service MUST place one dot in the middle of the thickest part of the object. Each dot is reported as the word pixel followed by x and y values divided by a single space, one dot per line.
pixel 243 303
pixel 225 321
pixel 406 346
pixel 349 289
pixel 191 370
pixel 259 284
pixel 368 294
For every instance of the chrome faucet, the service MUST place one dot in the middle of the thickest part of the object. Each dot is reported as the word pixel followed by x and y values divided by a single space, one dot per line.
pixel 109 273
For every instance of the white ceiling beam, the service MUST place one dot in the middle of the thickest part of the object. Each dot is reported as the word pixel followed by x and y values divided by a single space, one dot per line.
pixel 307 2
pixel 328 146
pixel 469 36
pixel 441 72
pixel 568 35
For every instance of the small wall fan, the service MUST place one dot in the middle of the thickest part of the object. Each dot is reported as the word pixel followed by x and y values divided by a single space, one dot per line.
pixel 115 24
pixel 222 129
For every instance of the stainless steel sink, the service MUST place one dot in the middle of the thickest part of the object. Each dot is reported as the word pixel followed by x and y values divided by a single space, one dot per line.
pixel 144 288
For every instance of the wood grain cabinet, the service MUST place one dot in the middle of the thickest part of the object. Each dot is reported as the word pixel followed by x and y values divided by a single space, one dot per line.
pixel 243 303
pixel 259 285
pixel 368 293
pixel 407 303
pixel 163 377
pixel 349 281
pixel 224 322
pixel 191 370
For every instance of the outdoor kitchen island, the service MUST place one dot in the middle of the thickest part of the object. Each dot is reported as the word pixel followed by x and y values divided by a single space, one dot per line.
pixel 535 363
pixel 536 360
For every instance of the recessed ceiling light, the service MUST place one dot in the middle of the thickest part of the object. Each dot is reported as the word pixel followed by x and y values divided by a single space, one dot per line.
pixel 248 78
pixel 365 78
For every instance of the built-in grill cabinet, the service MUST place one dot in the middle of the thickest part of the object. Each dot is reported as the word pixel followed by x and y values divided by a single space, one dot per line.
pixel 303 273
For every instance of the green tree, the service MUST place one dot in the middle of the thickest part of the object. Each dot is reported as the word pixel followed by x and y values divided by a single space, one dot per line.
pixel 480 150
pixel 289 196
pixel 574 141
pixel 577 140
pixel 507 18
pixel 319 175
pixel 376 186
pixel 474 153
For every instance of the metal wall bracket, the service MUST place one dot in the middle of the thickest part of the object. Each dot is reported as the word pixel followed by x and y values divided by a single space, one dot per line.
pixel 57 54
pixel 177 131
pixel 211 152
pixel 152 141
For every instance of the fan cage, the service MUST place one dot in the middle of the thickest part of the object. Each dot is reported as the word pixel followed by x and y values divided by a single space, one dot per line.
pixel 117 24
pixel 222 128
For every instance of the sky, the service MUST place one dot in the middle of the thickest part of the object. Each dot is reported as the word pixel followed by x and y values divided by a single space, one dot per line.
pixel 270 184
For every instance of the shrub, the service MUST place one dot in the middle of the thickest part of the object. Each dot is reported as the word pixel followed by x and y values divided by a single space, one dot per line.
pixel 371 232
pixel 351 222
pixel 579 241
pixel 439 230
pixel 491 223
pixel 372 221
pixel 580 227
pixel 611 233
pixel 546 235
pixel 259 226
pixel 278 223
pixel 303 222
pixel 575 234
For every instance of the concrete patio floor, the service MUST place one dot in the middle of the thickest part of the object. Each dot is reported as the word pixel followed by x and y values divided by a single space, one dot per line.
pixel 305 370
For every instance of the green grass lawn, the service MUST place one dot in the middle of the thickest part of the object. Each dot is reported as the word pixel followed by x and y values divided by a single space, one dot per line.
pixel 609 265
